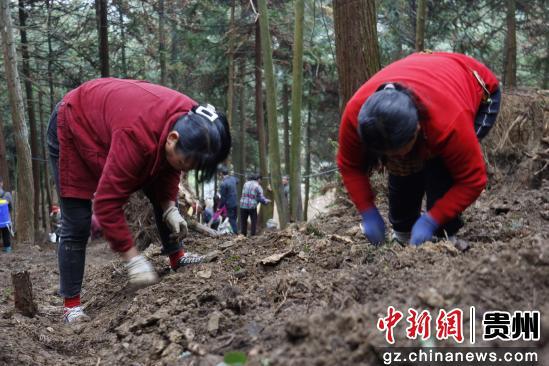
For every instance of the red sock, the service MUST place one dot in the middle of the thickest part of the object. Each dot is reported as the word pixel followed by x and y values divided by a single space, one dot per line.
pixel 71 302
pixel 174 258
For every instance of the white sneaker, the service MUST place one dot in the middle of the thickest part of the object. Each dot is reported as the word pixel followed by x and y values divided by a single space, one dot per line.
pixel 75 315
pixel 141 273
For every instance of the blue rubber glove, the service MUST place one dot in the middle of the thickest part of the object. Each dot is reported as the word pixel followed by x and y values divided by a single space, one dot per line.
pixel 423 229
pixel 373 226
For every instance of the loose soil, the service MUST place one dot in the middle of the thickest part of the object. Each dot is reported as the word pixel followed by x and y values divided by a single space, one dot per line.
pixel 317 305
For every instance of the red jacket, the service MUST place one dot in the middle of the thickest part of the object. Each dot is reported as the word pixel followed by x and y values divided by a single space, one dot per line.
pixel 446 86
pixel 112 134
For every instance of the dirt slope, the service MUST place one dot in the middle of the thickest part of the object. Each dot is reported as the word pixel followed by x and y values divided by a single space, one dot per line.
pixel 317 306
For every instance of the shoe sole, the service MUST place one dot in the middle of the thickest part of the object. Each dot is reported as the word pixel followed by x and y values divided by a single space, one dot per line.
pixel 134 286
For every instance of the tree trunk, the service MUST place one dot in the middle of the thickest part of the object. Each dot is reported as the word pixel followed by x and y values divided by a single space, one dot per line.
pixel 46 171
pixel 545 79
pixel 242 115
pixel 196 184
pixel 175 50
pixel 24 204
pixel 123 40
pixel 286 139
pixel 510 76
pixel 162 41
pixel 420 24
pixel 30 109
pixel 49 4
pixel 230 54
pixel 266 211
pixel 4 168
pixel 357 51
pixel 307 162
pixel 44 150
pixel 400 13
pixel 297 97
pixel 274 150
pixel 286 124
pixel 101 8
pixel 43 210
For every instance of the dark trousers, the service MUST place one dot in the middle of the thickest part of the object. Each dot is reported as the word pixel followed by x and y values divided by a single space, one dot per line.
pixel 406 192
pixel 232 214
pixel 244 214
pixel 6 237
pixel 76 223
pixel 406 196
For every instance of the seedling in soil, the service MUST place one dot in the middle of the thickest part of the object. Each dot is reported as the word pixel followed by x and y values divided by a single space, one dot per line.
pixel 313 230
pixel 235 358
pixel 7 294
pixel 233 258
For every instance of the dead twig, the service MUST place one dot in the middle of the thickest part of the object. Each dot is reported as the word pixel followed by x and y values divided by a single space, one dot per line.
pixel 520 119
pixel 284 298
pixel 227 343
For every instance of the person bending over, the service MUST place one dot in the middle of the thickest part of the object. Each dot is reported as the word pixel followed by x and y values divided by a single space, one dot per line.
pixel 109 138
pixel 422 117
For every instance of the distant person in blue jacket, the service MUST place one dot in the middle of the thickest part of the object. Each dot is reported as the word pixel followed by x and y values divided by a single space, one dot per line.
pixel 229 198
pixel 6 203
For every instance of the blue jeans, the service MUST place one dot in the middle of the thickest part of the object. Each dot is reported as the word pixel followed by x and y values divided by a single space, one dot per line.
pixel 232 215
pixel 76 223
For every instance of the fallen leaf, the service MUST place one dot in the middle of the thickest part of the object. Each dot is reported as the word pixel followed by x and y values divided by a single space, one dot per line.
pixel 207 273
pixel 275 258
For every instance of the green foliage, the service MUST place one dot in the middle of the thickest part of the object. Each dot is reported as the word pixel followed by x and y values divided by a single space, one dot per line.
pixel 6 294
pixel 197 62
pixel 235 358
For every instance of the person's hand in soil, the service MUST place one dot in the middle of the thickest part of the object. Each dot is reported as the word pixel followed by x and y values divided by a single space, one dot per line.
pixel 373 226
pixel 423 229
pixel 141 272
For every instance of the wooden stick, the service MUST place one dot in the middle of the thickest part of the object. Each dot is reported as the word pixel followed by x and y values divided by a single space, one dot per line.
pixel 202 229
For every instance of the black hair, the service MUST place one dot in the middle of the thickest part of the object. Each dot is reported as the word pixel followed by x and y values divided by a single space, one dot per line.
pixel 223 170
pixel 388 120
pixel 207 143
pixel 254 176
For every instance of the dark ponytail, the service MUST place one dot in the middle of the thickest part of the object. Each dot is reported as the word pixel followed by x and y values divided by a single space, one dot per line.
pixel 207 142
pixel 388 120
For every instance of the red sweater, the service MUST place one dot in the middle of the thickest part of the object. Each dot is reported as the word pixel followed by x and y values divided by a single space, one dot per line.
pixel 446 86
pixel 112 134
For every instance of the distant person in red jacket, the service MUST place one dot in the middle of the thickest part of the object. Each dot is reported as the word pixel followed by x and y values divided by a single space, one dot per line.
pixel 421 117
pixel 109 138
